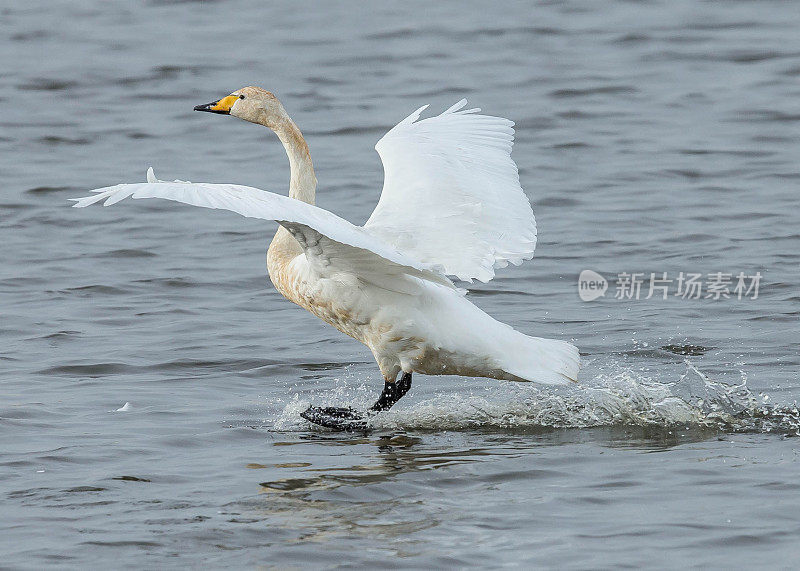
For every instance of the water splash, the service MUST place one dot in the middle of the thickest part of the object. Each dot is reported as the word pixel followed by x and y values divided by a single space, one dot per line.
pixel 620 398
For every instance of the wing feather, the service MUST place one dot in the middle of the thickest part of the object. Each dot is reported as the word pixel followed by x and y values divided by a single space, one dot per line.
pixel 330 243
pixel 451 194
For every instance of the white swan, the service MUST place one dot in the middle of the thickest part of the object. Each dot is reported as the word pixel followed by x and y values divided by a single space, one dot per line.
pixel 451 205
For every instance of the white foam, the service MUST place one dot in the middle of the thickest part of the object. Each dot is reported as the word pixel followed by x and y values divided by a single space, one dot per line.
pixel 620 398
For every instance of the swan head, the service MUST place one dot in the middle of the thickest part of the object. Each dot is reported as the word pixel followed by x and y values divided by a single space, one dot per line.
pixel 249 103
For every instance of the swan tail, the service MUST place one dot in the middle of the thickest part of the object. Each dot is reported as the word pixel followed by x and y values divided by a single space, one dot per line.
pixel 546 361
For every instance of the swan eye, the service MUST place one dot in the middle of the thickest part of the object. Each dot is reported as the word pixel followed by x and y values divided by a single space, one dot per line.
pixel 241 97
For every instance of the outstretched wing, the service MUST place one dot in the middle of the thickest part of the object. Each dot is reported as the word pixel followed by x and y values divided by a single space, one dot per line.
pixel 331 244
pixel 451 193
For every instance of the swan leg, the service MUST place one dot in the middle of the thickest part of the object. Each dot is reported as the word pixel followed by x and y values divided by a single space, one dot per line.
pixel 341 418
pixel 392 392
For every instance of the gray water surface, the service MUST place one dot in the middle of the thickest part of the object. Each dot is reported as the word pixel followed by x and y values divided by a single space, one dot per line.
pixel 651 137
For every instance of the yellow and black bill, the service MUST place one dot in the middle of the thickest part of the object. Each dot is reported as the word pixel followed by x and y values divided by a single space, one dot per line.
pixel 223 106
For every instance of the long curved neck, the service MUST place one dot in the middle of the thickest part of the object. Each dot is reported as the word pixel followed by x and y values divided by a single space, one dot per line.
pixel 303 182
pixel 302 186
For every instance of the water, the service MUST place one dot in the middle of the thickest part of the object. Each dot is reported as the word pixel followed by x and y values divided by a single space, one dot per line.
pixel 652 137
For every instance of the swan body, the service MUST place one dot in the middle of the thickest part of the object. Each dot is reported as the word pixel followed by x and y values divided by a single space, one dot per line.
pixel 451 205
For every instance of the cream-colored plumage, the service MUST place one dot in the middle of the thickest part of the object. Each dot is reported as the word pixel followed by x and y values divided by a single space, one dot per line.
pixel 451 205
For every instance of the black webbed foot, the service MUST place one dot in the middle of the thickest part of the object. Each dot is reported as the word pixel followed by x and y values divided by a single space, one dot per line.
pixel 335 417
pixel 348 419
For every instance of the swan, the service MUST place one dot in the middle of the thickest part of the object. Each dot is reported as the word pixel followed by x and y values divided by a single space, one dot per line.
pixel 451 205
